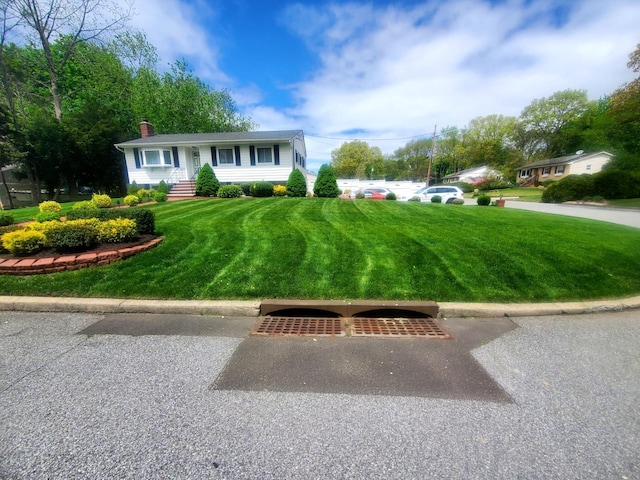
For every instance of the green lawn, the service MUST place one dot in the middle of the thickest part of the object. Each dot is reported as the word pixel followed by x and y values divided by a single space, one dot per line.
pixel 337 249
pixel 627 203
pixel 523 194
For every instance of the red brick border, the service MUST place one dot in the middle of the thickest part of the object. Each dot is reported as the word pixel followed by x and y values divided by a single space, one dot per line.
pixel 32 266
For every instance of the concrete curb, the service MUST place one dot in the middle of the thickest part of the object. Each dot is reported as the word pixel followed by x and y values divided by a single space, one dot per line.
pixel 243 308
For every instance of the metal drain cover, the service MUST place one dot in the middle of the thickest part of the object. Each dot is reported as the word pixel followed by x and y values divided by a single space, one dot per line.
pixel 356 327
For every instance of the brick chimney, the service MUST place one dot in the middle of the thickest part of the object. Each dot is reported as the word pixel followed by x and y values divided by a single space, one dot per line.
pixel 146 129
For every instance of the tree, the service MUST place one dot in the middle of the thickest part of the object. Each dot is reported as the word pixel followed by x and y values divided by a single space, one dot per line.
pixel 77 20
pixel 207 184
pixel 355 159
pixel 296 184
pixel 326 184
pixel 179 102
pixel 540 122
pixel 411 161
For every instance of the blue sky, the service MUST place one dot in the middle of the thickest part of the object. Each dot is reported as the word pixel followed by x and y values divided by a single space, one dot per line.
pixel 388 71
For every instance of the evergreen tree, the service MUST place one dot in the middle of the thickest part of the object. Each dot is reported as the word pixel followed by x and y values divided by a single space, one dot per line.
pixel 296 184
pixel 207 184
pixel 326 184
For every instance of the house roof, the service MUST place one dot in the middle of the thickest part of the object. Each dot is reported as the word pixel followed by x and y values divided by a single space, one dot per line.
pixel 482 169
pixel 563 160
pixel 220 137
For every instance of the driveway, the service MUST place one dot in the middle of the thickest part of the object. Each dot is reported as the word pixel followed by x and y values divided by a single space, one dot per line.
pixel 621 216
pixel 158 401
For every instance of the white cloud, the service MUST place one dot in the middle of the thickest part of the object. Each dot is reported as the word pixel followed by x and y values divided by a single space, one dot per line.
pixel 398 71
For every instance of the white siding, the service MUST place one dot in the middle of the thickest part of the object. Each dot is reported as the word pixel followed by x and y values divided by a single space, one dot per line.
pixel 596 162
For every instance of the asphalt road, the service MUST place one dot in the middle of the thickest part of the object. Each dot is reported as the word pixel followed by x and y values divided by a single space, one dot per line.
pixel 173 402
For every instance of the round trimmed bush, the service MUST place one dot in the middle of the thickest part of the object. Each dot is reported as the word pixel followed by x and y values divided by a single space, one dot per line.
pixel 262 189
pixel 24 242
pixel 160 196
pixel 47 216
pixel 436 199
pixel 131 200
pixel 6 219
pixel 74 235
pixel 457 201
pixel 484 200
pixel 117 230
pixel 230 191
pixel 326 184
pixel 50 206
pixel 207 184
pixel 391 196
pixel 84 205
pixel 360 195
pixel 101 201
pixel 415 198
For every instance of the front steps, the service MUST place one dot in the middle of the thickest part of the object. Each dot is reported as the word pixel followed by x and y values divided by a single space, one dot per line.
pixel 184 188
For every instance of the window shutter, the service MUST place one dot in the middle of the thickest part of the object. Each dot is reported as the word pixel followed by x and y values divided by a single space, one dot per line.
pixel 176 160
pixel 252 155
pixel 214 157
pixel 237 152
pixel 276 154
pixel 136 156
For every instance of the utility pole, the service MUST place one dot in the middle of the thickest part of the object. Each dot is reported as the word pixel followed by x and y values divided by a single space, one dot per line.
pixel 433 152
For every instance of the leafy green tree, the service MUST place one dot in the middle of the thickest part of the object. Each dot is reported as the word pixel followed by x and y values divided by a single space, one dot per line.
pixel 326 184
pixel 355 159
pixel 296 184
pixel 410 162
pixel 541 122
pixel 207 184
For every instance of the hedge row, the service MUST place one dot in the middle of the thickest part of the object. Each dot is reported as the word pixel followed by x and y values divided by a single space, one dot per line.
pixel 609 184
pixel 144 218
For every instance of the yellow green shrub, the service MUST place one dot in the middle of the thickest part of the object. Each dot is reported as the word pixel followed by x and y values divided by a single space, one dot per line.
pixel 50 206
pixel 101 201
pixel 117 230
pixel 131 200
pixel 280 190
pixel 24 242
pixel 74 235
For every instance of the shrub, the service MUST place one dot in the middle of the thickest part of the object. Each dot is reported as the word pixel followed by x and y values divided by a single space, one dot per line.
pixel 246 188
pixel 7 229
pixel 6 219
pixel 74 235
pixel 144 218
pixel 572 187
pixel 491 183
pixel 262 189
pixel 117 230
pixel 142 194
pixel 326 184
pixel 43 227
pixel 207 184
pixel 464 186
pixel 415 198
pixel 360 194
pixel 133 188
pixel 230 191
pixel 296 184
pixel 484 200
pixel 391 196
pixel 131 200
pixel 457 201
pixel 546 183
pixel 160 196
pixel 50 206
pixel 101 201
pixel 24 242
pixel 279 191
pixel 614 184
pixel 163 187
pixel 47 216
pixel 85 205
pixel 436 199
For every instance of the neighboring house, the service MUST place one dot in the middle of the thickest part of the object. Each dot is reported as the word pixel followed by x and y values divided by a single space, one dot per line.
pixel 472 175
pixel 236 157
pixel 557 168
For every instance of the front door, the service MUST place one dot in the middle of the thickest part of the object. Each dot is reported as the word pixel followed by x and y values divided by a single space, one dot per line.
pixel 195 155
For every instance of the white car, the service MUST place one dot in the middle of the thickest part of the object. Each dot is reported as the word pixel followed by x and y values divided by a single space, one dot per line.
pixel 448 194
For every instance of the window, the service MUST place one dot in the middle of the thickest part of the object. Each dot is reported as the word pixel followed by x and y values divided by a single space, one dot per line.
pixel 156 158
pixel 560 170
pixel 264 155
pixel 225 156
pixel 525 173
pixel 546 171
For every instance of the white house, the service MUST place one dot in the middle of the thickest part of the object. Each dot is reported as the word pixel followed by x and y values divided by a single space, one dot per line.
pixel 557 168
pixel 236 157
pixel 472 175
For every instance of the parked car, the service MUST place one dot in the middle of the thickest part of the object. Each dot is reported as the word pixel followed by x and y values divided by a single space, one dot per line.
pixel 448 194
pixel 376 193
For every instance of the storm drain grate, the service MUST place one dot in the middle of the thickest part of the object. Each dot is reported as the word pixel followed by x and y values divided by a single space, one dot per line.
pixel 414 327
pixel 357 327
pixel 298 326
